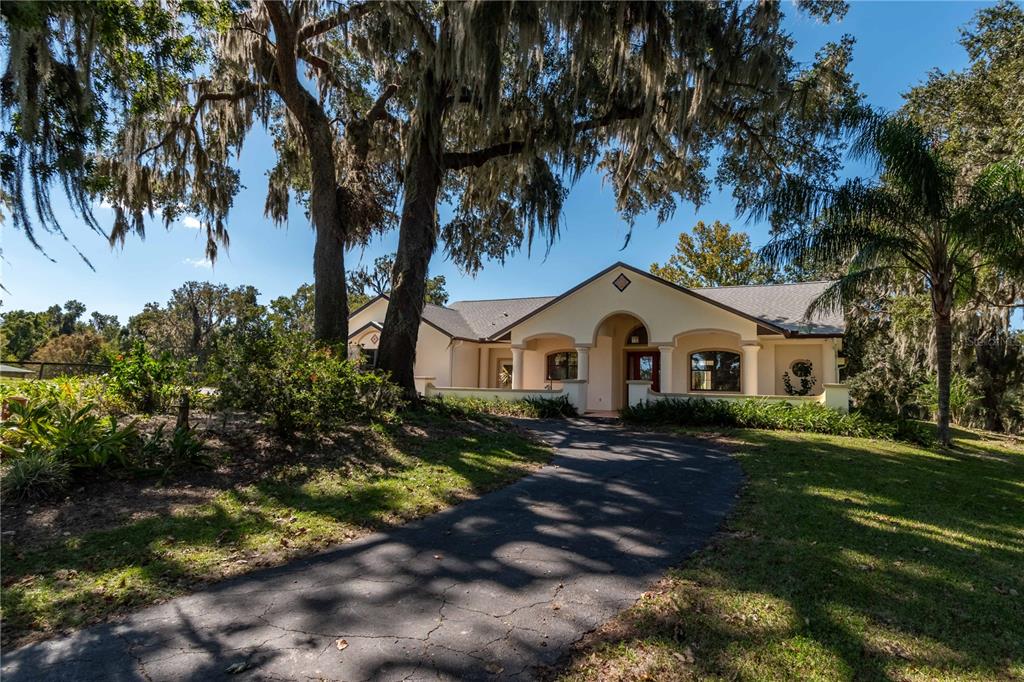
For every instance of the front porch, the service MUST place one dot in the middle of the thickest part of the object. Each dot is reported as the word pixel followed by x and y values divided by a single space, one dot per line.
pixel 621 363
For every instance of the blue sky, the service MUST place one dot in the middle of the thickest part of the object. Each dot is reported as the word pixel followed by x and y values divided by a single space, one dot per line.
pixel 897 45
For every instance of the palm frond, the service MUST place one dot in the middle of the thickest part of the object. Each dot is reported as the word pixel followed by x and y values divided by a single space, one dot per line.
pixel 839 224
pixel 991 219
pixel 851 286
pixel 906 158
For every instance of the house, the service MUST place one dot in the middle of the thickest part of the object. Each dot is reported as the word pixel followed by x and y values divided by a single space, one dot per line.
pixel 624 336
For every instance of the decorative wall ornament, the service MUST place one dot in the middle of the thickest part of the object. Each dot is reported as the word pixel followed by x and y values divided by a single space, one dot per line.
pixel 802 370
pixel 621 282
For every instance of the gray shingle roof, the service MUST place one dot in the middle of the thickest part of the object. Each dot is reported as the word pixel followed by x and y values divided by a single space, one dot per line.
pixel 449 320
pixel 487 317
pixel 783 305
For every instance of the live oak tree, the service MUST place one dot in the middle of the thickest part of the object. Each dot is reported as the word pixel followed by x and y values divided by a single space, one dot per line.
pixel 714 256
pixel 190 324
pixel 922 217
pixel 272 63
pixel 507 103
pixel 74 72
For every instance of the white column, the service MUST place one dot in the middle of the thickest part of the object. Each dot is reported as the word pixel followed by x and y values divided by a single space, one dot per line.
pixel 829 371
pixel 748 367
pixel 517 368
pixel 666 369
pixel 583 363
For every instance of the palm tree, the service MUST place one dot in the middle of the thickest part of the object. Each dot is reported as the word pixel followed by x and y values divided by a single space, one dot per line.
pixel 920 217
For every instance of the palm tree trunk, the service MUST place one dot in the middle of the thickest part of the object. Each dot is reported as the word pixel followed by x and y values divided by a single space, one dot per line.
pixel 417 240
pixel 942 308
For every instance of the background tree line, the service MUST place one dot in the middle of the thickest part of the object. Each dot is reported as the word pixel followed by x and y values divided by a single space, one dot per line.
pixel 189 326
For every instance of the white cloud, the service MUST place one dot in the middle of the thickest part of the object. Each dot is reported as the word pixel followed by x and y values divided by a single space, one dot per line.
pixel 191 222
pixel 198 263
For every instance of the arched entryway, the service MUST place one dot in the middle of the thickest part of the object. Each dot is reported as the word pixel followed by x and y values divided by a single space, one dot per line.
pixel 622 351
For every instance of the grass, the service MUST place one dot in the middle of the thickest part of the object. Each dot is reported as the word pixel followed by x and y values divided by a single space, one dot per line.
pixel 400 474
pixel 846 559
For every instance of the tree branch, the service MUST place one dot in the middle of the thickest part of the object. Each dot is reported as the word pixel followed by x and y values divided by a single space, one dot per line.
pixel 474 159
pixel 244 90
pixel 379 109
pixel 344 15
pixel 322 67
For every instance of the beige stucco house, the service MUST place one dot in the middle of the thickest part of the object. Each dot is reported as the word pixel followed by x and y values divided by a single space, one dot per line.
pixel 624 336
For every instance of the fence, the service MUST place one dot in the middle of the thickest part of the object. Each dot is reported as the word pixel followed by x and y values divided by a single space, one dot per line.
pixel 50 370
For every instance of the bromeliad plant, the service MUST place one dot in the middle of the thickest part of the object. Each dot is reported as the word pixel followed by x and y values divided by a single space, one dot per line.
pixel 75 436
pixel 921 219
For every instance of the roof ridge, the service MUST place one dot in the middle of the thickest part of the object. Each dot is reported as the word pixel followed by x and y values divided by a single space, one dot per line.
pixel 761 286
pixel 507 298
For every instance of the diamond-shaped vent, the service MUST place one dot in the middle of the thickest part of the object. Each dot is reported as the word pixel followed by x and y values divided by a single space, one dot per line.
pixel 621 282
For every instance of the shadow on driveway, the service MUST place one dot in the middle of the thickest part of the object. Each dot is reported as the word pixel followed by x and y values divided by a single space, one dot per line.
pixel 489 589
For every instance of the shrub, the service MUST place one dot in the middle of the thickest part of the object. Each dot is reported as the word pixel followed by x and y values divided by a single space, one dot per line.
pixel 301 386
pixel 82 346
pixel 551 408
pixel 146 383
pixel 765 414
pixel 35 475
pixel 535 407
pixel 72 435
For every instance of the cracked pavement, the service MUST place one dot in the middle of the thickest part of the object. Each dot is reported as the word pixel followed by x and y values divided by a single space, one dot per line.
pixel 490 589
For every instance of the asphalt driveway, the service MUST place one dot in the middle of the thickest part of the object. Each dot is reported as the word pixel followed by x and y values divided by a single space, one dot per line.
pixel 488 590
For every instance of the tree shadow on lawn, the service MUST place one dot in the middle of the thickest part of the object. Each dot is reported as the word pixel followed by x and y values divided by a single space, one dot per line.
pixel 323 500
pixel 847 559
pixel 502 583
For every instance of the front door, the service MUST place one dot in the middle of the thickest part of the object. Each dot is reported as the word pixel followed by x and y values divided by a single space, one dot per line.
pixel 645 365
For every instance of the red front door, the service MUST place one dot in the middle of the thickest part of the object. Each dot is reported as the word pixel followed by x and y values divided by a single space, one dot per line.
pixel 646 365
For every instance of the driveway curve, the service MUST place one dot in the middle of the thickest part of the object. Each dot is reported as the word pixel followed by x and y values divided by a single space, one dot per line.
pixel 490 589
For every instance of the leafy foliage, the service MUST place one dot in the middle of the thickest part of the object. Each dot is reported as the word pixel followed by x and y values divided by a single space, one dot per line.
pixel 765 414
pixel 978 113
pixel 551 408
pixel 144 381
pixel 73 69
pixel 534 407
pixel 77 437
pixel 300 385
pixel 365 283
pixel 80 347
pixel 192 322
pixel 24 333
pixel 35 474
pixel 714 256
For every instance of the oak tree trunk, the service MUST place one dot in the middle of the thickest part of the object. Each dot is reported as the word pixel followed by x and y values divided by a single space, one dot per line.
pixel 417 239
pixel 330 295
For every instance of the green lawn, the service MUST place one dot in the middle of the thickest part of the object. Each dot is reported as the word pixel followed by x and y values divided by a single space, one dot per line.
pixel 399 473
pixel 847 559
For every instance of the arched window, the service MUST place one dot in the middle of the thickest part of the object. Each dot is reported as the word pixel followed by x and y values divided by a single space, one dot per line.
pixel 715 370
pixel 562 365
pixel 637 337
